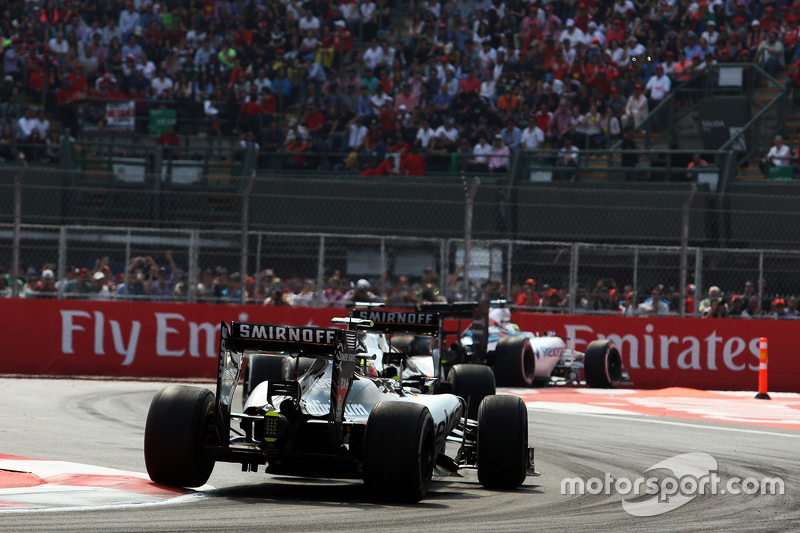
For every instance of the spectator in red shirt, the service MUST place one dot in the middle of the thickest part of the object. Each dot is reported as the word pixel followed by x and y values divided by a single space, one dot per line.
pixel 170 138
pixel 617 32
pixel 76 81
pixel 528 298
pixel 314 121
pixel 471 83
pixel 413 164
pixel 558 66
pixel 384 168
pixel 38 79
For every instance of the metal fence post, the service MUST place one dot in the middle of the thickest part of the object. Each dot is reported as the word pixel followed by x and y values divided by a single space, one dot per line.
pixel 685 245
pixel 320 266
pixel 698 280
pixel 62 261
pixel 17 227
pixel 194 245
pixel 760 277
pixel 444 263
pixel 383 265
pixel 127 256
pixel 635 274
pixel 258 262
pixel 470 197
pixel 508 270
pixel 245 233
pixel 573 275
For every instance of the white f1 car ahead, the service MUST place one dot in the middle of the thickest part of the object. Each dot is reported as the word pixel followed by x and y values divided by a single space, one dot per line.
pixel 521 358
pixel 335 421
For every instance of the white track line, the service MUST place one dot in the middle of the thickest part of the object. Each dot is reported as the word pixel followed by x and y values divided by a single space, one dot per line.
pixel 683 424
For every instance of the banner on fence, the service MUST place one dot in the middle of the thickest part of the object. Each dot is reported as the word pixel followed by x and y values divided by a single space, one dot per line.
pixel 120 116
pixel 142 339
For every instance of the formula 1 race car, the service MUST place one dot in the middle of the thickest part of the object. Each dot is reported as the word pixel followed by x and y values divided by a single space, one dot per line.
pixel 336 420
pixel 405 345
pixel 521 358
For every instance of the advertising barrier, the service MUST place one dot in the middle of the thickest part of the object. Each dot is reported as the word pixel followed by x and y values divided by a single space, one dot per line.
pixel 144 339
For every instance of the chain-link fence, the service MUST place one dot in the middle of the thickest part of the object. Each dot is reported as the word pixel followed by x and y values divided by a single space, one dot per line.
pixel 216 266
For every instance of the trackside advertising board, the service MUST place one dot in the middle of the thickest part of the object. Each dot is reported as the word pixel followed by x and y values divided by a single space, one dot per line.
pixel 142 339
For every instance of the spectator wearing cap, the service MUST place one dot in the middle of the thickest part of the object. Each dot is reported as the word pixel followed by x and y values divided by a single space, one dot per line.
pixel 500 160
pixel 80 286
pixel 361 293
pixel 737 306
pixel 45 287
pixel 770 54
pixel 779 309
pixel 711 35
pixel 100 290
pixel 528 297
pixel 162 281
pixel 689 303
pixel 342 42
pixel 572 33
pixel 636 109
pixel 633 50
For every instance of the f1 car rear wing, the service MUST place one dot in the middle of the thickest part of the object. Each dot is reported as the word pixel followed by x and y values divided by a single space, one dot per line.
pixel 413 322
pixel 329 343
pixel 478 312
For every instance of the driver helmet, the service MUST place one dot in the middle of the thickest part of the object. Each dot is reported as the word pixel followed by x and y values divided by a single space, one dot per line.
pixel 499 316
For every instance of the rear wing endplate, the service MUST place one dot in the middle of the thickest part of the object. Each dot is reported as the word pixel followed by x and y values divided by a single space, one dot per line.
pixel 337 344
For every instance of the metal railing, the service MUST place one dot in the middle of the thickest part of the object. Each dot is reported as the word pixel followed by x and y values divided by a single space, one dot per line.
pixel 401 270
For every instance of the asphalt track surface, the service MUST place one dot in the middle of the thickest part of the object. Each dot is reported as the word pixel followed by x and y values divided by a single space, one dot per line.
pixel 102 423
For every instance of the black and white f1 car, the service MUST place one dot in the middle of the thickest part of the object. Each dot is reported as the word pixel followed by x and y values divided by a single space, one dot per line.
pixel 521 358
pixel 337 420
pixel 405 345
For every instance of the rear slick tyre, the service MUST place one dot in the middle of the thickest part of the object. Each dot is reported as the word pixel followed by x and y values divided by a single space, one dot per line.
pixel 514 362
pixel 473 383
pixel 399 451
pixel 602 365
pixel 179 423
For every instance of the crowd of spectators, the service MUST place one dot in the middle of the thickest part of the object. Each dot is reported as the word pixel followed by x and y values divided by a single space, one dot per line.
pixel 479 78
pixel 145 279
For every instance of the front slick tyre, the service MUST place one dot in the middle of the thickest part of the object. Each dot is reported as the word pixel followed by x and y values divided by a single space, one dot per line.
pixel 502 442
pixel 179 423
pixel 399 451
